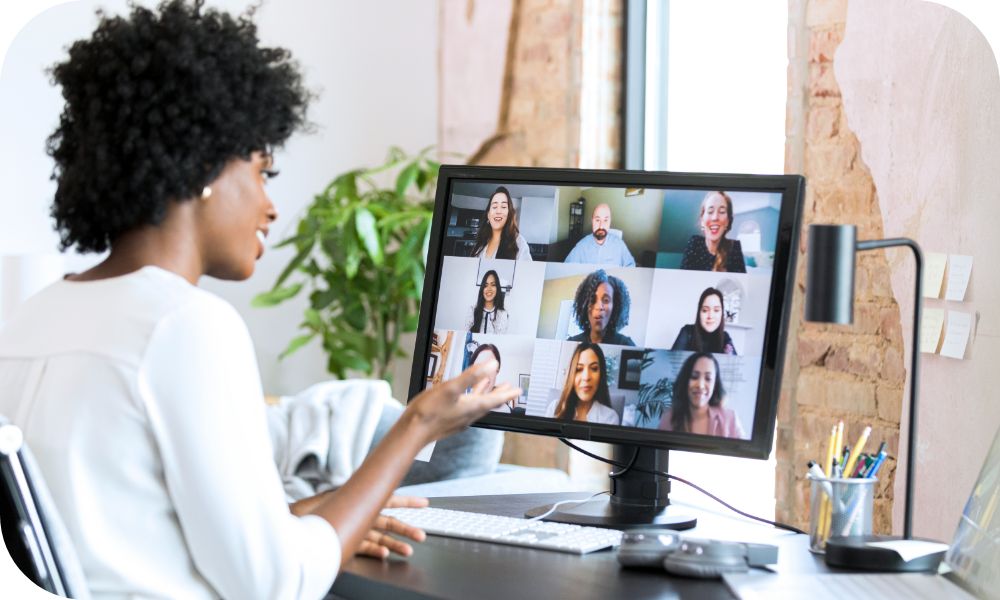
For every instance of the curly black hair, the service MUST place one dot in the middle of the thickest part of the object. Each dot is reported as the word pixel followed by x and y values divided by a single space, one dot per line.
pixel 156 104
pixel 585 299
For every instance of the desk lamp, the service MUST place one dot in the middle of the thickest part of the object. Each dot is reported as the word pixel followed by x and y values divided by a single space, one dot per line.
pixel 830 299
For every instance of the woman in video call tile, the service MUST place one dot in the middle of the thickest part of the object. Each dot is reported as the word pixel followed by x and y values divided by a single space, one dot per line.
pixel 498 235
pixel 488 315
pixel 585 396
pixel 708 333
pixel 713 251
pixel 601 307
pixel 698 401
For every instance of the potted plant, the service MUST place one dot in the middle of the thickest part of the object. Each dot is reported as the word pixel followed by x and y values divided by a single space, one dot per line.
pixel 361 247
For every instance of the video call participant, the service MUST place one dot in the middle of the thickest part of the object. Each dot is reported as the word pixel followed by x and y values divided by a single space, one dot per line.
pixel 601 307
pixel 708 333
pixel 498 235
pixel 488 315
pixel 713 251
pixel 698 401
pixel 599 247
pixel 585 396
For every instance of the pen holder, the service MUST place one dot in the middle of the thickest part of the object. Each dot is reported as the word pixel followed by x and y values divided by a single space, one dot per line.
pixel 839 507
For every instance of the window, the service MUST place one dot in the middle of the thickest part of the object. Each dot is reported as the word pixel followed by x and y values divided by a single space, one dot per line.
pixel 705 91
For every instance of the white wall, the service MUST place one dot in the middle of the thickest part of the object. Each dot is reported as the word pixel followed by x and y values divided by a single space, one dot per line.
pixel 375 66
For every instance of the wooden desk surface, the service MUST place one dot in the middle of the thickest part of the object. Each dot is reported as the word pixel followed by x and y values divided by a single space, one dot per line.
pixel 462 569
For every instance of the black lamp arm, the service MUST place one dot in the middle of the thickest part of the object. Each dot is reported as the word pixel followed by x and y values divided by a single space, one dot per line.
pixel 911 444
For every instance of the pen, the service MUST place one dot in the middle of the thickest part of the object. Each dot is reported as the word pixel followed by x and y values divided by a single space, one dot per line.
pixel 852 461
pixel 873 470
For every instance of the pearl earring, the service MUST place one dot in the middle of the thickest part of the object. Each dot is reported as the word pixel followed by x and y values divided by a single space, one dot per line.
pixel 206 192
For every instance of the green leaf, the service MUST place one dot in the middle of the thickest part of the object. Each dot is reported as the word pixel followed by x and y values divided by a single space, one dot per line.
pixel 364 223
pixel 406 178
pixel 294 264
pixel 323 298
pixel 313 320
pixel 296 343
pixel 275 296
pixel 411 322
pixel 355 316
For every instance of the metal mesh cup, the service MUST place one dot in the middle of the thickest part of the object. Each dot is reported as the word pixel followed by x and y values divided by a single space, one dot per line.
pixel 839 507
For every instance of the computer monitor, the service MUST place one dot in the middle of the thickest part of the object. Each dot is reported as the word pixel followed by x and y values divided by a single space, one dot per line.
pixel 647 310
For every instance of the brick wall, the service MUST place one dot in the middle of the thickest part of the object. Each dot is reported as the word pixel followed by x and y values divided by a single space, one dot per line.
pixel 856 372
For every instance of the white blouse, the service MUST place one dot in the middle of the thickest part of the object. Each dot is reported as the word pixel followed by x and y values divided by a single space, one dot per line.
pixel 141 400
pixel 523 250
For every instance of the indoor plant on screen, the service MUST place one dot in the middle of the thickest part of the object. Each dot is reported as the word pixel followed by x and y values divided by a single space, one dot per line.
pixel 360 251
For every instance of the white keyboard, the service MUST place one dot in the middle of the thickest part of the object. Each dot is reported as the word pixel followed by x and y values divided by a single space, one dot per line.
pixel 574 539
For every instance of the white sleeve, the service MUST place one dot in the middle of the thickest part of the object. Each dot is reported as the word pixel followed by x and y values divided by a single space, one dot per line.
pixel 201 388
pixel 523 250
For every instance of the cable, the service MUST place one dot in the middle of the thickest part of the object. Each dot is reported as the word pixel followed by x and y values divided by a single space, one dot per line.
pixel 635 455
pixel 552 509
pixel 631 466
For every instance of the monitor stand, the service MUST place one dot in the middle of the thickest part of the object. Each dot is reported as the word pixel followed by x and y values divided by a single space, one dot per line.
pixel 638 499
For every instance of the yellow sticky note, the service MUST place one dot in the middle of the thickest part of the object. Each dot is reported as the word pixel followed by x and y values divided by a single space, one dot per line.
pixel 932 321
pixel 934 264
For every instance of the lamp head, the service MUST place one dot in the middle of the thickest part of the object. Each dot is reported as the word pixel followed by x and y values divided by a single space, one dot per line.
pixel 830 274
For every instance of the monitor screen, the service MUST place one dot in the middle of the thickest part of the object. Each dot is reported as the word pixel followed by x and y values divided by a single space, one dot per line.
pixel 630 307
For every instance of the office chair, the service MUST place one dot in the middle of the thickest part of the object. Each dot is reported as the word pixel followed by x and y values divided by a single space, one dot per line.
pixel 32 530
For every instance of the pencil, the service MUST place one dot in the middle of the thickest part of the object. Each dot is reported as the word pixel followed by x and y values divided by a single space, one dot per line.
pixel 853 460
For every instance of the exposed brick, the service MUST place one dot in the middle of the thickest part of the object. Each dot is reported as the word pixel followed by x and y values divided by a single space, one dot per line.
pixel 812 351
pixel 823 43
pixel 824 13
pixel 889 400
pixel 822 124
pixel 892 367
pixel 818 388
pixel 822 82
pixel 889 323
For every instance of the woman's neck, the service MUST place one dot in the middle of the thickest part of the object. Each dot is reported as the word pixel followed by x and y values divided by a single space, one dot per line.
pixel 712 245
pixel 596 337
pixel 494 244
pixel 582 410
pixel 488 305
pixel 171 245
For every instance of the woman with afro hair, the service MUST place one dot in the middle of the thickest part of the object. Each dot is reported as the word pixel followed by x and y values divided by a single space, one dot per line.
pixel 601 308
pixel 138 391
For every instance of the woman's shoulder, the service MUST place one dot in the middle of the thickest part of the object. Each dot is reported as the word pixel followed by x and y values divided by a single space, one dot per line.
pixel 666 421
pixel 605 414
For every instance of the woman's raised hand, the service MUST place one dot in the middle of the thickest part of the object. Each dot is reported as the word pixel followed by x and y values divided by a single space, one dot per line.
pixel 448 407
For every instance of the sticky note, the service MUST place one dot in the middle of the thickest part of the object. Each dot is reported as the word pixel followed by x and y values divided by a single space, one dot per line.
pixel 959 271
pixel 932 321
pixel 934 264
pixel 956 334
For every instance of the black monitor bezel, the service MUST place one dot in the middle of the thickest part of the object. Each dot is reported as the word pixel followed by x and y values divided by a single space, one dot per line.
pixel 792 189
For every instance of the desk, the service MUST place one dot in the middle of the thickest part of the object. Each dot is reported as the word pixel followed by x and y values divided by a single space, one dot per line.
pixel 461 569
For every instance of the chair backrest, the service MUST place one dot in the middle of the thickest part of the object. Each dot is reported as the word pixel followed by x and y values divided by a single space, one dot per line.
pixel 32 530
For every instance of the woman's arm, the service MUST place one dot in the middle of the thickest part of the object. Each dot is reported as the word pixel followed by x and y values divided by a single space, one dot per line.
pixel 435 413
pixel 523 250
pixel 683 338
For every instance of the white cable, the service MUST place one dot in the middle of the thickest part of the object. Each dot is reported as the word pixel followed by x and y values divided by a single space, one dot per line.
pixel 553 508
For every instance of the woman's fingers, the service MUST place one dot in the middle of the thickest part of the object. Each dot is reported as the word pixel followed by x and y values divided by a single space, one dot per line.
pixel 379 544
pixel 489 400
pixel 391 525
pixel 406 502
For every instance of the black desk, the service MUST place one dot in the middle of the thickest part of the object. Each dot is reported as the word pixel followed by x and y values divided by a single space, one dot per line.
pixel 461 569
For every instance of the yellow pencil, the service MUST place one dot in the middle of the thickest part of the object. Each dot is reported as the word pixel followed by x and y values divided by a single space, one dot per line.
pixel 852 460
pixel 828 463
